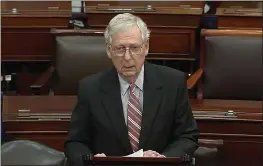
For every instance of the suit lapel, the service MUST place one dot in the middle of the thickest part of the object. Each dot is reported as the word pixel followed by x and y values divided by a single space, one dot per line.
pixel 152 98
pixel 111 99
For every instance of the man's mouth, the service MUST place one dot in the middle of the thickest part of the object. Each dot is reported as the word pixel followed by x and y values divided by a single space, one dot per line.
pixel 128 67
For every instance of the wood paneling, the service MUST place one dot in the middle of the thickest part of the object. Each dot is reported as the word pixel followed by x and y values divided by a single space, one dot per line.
pixel 165 45
pixel 26 44
pixel 36 20
pixel 26 34
pixel 35 5
pixel 239 15
pixel 32 43
pixel 149 7
pixel 239 4
pixel 101 19
pixel 239 22
pixel 145 3
pixel 172 23
pixel 176 43
pixel 231 32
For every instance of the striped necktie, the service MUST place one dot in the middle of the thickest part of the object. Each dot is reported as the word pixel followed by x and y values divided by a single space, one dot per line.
pixel 134 118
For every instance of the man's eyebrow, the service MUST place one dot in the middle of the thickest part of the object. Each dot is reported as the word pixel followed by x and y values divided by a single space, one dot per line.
pixel 120 46
pixel 131 44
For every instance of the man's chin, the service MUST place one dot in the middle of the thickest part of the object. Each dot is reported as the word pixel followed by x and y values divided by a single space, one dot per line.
pixel 129 73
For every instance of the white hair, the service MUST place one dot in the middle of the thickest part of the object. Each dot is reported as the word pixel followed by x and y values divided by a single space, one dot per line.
pixel 124 21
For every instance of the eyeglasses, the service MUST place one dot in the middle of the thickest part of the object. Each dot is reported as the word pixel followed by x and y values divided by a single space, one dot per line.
pixel 121 51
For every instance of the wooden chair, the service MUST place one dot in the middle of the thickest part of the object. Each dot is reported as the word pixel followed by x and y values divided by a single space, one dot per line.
pixel 230 65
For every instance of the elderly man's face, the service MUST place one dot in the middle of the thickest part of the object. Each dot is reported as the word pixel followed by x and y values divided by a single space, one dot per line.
pixel 128 52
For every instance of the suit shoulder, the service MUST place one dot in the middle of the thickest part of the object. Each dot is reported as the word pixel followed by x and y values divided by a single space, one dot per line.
pixel 92 81
pixel 168 71
pixel 170 78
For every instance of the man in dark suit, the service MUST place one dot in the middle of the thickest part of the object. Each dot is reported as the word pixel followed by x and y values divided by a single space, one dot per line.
pixel 133 105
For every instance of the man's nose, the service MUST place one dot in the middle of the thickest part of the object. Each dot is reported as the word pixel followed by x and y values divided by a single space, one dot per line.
pixel 127 55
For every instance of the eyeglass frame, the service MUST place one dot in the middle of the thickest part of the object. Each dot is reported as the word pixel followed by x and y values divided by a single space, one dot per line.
pixel 109 45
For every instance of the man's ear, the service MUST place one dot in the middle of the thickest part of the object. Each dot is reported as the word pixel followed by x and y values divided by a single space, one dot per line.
pixel 108 51
pixel 146 47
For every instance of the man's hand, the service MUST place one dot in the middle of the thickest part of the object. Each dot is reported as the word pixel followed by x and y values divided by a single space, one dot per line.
pixel 151 153
pixel 100 155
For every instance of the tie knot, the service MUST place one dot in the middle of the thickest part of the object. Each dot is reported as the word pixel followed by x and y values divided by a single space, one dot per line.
pixel 132 87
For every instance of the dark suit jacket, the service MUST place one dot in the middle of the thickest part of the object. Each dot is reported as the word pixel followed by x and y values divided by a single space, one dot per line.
pixel 98 125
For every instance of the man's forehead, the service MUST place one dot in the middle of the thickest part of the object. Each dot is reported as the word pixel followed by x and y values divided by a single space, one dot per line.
pixel 126 39
pixel 133 32
pixel 126 43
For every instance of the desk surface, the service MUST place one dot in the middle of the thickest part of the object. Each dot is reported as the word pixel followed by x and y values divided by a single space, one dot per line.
pixel 61 106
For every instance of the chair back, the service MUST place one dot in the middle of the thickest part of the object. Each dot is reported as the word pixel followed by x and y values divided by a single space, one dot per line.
pixel 232 63
pixel 78 53
pixel 25 152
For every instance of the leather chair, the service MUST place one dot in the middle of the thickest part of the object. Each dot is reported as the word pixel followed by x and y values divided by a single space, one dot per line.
pixel 25 152
pixel 77 53
pixel 230 65
pixel 208 153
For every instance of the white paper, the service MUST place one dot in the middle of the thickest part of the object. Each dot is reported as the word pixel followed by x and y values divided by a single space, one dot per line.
pixel 139 153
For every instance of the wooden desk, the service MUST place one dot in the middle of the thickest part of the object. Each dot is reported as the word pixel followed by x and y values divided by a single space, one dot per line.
pixel 26 33
pixel 50 116
pixel 173 24
pixel 239 15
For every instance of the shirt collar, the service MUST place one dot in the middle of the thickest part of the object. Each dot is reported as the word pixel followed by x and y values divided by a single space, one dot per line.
pixel 124 85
